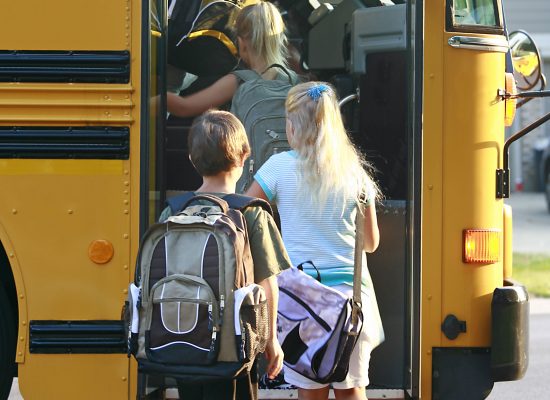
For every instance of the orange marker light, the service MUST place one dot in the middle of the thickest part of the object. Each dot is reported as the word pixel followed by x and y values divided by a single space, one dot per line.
pixel 510 104
pixel 481 246
pixel 101 251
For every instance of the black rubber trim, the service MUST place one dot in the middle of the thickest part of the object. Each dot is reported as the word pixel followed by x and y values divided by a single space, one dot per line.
pixel 77 337
pixel 460 373
pixel 510 332
pixel 65 142
pixel 65 66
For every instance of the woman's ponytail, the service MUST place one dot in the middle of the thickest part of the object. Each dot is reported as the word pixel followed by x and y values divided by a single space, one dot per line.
pixel 262 24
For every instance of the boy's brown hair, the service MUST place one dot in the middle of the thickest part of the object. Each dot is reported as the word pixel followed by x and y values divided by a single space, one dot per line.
pixel 217 141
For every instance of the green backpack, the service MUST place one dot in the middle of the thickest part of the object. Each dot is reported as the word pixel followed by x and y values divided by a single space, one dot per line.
pixel 194 311
pixel 260 105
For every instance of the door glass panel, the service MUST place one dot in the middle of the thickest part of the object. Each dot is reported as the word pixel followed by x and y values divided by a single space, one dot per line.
pixel 481 13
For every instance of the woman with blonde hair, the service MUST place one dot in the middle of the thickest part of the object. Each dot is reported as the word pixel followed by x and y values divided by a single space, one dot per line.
pixel 262 42
pixel 317 187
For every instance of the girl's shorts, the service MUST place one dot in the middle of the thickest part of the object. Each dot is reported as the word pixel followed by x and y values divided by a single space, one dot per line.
pixel 358 375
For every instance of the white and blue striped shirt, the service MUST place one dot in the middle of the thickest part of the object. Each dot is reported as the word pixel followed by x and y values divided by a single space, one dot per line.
pixel 324 235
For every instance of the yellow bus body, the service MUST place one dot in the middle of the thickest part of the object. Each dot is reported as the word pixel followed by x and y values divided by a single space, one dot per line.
pixel 463 143
pixel 52 210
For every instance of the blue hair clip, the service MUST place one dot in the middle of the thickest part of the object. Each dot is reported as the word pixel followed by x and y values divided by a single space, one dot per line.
pixel 315 91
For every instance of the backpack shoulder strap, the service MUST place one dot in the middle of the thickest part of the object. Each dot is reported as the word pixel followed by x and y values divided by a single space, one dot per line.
pixel 176 203
pixel 241 202
pixel 237 201
pixel 291 75
pixel 246 74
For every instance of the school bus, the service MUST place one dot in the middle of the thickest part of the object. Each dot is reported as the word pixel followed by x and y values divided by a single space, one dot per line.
pixel 87 158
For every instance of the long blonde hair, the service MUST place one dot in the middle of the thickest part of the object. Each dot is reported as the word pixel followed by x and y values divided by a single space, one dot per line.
pixel 328 161
pixel 262 24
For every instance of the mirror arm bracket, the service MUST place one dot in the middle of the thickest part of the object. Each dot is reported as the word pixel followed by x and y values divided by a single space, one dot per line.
pixel 503 184
pixel 503 175
pixel 504 95
pixel 528 95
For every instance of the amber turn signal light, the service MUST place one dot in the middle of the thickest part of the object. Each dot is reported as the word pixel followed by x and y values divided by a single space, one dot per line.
pixel 510 103
pixel 481 246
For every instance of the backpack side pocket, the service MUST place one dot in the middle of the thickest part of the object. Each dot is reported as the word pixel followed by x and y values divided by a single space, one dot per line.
pixel 251 321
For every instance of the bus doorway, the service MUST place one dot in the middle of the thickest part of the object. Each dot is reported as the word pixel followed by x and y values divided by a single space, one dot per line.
pixel 379 78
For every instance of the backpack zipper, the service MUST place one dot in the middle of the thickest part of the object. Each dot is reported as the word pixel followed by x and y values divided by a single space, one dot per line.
pixel 194 301
pixel 213 309
pixel 181 300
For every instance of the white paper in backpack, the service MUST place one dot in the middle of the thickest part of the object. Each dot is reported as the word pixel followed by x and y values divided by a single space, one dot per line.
pixel 135 291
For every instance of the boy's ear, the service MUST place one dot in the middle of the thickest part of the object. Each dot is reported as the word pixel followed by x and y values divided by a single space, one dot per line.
pixel 240 163
pixel 191 161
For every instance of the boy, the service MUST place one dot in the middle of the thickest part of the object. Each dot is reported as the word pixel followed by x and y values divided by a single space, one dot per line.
pixel 218 148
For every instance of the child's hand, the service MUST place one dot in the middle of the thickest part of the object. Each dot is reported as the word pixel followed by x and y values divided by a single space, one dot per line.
pixel 274 355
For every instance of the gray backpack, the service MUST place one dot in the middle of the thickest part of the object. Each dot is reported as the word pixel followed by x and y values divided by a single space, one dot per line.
pixel 260 105
pixel 194 311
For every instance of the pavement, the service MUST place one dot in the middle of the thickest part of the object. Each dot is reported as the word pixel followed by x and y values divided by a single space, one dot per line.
pixel 531 234
pixel 530 223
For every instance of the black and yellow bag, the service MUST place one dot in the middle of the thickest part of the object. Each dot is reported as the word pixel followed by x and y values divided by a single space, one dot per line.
pixel 201 37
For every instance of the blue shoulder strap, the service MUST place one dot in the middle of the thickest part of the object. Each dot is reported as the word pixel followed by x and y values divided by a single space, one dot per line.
pixel 237 201
pixel 177 202
pixel 241 202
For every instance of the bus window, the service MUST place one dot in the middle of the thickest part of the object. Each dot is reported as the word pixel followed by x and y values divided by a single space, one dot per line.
pixel 473 15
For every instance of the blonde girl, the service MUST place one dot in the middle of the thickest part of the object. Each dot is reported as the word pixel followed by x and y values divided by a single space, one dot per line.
pixel 262 42
pixel 317 187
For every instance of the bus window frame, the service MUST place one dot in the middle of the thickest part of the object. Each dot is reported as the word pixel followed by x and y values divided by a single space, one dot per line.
pixel 145 140
pixel 483 29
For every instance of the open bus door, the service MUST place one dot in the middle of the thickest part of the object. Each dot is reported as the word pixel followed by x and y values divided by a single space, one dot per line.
pixel 382 55
pixel 379 56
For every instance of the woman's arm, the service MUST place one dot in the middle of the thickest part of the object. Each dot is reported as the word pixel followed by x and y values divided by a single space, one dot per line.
pixel 372 234
pixel 255 190
pixel 215 95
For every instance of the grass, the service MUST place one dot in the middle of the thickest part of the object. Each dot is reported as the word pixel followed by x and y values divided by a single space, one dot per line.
pixel 533 270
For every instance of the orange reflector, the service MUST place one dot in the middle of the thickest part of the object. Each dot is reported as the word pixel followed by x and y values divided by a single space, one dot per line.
pixel 481 246
pixel 101 251
pixel 510 104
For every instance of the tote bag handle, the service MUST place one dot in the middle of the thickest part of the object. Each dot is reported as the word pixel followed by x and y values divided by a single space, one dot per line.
pixel 358 261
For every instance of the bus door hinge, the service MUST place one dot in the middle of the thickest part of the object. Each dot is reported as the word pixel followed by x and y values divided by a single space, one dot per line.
pixel 452 327
pixel 503 183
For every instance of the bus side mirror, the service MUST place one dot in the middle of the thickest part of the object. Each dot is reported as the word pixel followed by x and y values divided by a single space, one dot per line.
pixel 527 73
pixel 527 70
pixel 526 60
